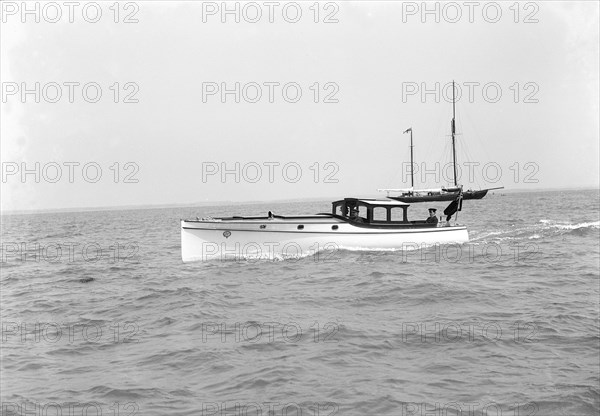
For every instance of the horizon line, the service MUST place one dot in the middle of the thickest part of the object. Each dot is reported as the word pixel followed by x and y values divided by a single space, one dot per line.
pixel 221 202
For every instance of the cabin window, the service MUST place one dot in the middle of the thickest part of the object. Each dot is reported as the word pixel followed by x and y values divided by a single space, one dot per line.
pixel 397 214
pixel 334 227
pixel 301 227
pixel 379 214
pixel 262 227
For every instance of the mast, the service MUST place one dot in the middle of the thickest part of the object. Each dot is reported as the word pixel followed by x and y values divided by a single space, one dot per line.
pixel 453 133
pixel 412 166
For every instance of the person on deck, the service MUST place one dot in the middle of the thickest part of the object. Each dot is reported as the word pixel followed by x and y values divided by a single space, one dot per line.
pixel 354 215
pixel 432 219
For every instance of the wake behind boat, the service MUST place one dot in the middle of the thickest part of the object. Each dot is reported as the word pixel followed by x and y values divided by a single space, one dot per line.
pixel 363 224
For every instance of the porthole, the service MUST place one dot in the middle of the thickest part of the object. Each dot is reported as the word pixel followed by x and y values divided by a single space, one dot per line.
pixel 301 227
pixel 262 226
pixel 334 227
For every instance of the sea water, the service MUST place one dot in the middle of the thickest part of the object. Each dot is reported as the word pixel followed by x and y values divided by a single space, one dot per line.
pixel 101 316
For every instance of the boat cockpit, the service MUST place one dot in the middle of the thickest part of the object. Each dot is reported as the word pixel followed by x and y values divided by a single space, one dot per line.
pixel 375 212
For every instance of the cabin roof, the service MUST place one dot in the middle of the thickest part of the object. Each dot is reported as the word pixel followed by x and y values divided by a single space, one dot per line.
pixel 379 202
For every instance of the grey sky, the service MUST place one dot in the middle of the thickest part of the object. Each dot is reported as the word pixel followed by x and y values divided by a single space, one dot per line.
pixel 370 62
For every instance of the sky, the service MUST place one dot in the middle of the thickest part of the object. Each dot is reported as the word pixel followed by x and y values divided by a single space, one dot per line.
pixel 159 103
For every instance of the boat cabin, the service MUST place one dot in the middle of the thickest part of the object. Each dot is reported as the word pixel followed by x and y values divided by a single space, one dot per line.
pixel 373 211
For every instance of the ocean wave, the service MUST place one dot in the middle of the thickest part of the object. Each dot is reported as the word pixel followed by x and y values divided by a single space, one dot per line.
pixel 563 225
pixel 544 228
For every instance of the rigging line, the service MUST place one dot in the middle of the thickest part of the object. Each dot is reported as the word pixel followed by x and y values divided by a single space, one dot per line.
pixel 447 157
pixel 481 145
pixel 405 159
pixel 476 177
pixel 465 147
pixel 471 159
pixel 396 178
pixel 394 173
pixel 437 136
pixel 393 179
pixel 472 134
pixel 430 138
pixel 461 154
pixel 468 180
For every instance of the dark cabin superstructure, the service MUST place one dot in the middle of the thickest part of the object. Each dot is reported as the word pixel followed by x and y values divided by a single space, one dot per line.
pixel 376 213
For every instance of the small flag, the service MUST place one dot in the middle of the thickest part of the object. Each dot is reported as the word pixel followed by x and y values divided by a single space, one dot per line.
pixel 408 129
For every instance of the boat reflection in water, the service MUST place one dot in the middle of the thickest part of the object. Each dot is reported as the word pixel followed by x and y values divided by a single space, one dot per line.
pixel 353 224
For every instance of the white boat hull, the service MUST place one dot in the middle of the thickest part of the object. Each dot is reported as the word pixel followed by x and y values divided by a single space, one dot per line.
pixel 245 239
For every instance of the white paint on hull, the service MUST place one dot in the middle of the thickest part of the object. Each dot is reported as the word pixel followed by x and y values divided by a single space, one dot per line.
pixel 231 239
